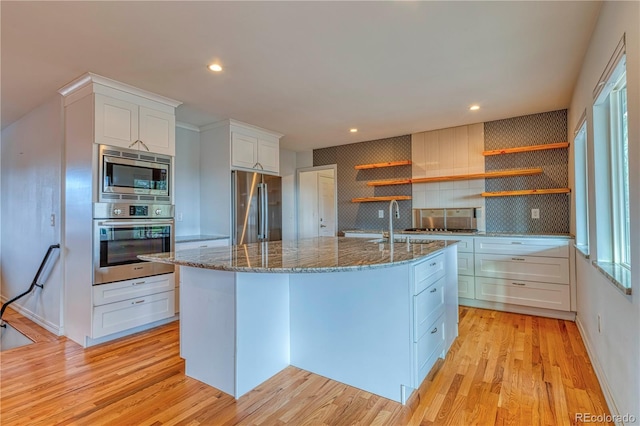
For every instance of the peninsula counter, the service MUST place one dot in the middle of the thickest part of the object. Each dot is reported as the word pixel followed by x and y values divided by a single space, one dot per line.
pixel 369 314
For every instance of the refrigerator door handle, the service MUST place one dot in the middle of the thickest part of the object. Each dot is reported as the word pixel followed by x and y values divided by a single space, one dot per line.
pixel 262 212
pixel 265 211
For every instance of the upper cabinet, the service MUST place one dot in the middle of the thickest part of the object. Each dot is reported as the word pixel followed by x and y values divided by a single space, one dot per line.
pixel 253 148
pixel 125 116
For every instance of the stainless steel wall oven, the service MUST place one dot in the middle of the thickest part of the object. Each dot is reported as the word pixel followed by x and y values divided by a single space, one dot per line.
pixel 124 231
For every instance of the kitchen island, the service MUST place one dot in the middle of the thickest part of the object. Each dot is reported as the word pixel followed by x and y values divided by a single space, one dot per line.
pixel 369 314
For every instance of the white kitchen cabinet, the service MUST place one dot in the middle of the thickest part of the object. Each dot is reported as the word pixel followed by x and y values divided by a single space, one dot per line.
pixel 129 289
pixel 527 293
pixel 531 272
pixel 119 316
pixel 130 125
pixel 254 150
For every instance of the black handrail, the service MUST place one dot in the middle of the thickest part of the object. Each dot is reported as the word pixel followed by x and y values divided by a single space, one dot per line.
pixel 34 283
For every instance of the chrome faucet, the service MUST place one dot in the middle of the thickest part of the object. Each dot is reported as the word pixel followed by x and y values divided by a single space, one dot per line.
pixel 397 214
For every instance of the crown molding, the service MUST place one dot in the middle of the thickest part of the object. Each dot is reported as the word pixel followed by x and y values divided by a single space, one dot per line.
pixel 187 126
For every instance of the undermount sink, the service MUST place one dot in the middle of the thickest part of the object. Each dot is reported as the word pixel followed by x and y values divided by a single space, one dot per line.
pixel 400 240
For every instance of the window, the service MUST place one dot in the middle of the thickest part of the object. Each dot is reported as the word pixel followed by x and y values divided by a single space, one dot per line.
pixel 581 186
pixel 611 155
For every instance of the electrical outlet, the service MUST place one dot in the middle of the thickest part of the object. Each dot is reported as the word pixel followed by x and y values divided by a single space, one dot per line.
pixel 52 219
pixel 380 214
pixel 179 217
pixel 535 213
pixel 599 324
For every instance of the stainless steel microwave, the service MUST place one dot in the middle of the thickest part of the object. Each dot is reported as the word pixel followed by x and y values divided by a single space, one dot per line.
pixel 129 175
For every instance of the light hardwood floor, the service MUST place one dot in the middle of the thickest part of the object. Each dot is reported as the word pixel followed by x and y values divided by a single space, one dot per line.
pixel 503 369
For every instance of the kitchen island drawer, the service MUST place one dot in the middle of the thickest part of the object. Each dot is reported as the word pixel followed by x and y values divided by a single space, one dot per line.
pixel 120 316
pixel 220 242
pixel 548 247
pixel 428 272
pixel 429 348
pixel 527 293
pixel 129 289
pixel 427 306
pixel 528 268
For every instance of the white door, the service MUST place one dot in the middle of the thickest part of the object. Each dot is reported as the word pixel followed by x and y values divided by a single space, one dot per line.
pixel 326 206
pixel 116 122
pixel 244 151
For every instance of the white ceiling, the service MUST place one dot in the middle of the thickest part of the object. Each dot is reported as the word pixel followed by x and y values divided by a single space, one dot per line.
pixel 309 70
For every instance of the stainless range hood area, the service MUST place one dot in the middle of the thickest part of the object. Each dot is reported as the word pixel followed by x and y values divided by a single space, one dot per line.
pixel 449 219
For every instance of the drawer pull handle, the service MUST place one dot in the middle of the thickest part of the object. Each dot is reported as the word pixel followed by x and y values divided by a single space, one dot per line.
pixel 434 330
pixel 433 290
pixel 139 283
pixel 516 242
pixel 204 246
pixel 433 264
pixel 518 259
pixel 137 302
pixel 518 283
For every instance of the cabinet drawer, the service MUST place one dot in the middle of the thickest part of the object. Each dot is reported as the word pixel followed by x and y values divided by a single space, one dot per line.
pixel 427 306
pixel 119 316
pixel 466 286
pixel 428 272
pixel 202 244
pixel 527 293
pixel 465 263
pixel 523 246
pixel 429 348
pixel 528 268
pixel 123 290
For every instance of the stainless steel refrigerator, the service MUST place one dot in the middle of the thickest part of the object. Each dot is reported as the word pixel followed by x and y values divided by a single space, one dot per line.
pixel 257 207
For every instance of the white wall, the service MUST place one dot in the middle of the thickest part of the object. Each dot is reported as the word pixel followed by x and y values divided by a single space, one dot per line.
pixel 304 159
pixel 615 350
pixel 187 182
pixel 288 174
pixel 31 186
pixel 215 181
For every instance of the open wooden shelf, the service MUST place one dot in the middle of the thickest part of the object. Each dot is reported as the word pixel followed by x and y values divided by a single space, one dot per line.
pixel 486 175
pixel 526 148
pixel 370 199
pixel 527 192
pixel 379 165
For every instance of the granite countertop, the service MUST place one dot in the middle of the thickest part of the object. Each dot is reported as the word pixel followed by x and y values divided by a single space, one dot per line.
pixel 202 237
pixel 464 234
pixel 324 254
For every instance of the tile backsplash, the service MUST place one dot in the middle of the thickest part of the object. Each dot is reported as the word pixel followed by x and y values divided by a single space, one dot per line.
pixel 352 183
pixel 513 213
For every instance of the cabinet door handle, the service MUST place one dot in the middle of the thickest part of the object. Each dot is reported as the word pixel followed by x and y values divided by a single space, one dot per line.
pixel 144 145
pixel 137 302
pixel 434 330
pixel 433 264
pixel 518 284
pixel 139 283
pixel 433 290
pixel 133 143
pixel 518 259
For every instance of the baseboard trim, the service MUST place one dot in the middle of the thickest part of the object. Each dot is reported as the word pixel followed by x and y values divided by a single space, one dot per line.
pixel 42 322
pixel 517 309
pixel 602 378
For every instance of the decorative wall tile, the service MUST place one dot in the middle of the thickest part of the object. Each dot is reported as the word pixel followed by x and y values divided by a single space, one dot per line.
pixel 352 183
pixel 513 214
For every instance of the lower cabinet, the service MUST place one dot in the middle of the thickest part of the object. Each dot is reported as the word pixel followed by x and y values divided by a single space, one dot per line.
pixel 430 347
pixel 526 293
pixel 126 304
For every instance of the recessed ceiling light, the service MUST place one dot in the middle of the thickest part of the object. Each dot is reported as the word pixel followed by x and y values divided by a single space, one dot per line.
pixel 215 67
pixel 474 107
pixel 354 130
